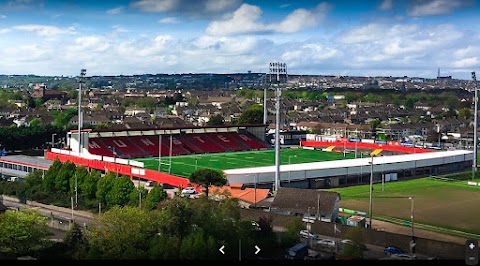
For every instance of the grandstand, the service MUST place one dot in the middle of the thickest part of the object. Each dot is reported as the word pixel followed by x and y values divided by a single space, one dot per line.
pixel 114 144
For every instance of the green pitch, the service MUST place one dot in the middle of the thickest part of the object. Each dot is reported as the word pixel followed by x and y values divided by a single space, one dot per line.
pixel 446 204
pixel 184 165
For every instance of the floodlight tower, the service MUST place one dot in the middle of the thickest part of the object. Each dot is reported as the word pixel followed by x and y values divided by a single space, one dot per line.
pixel 279 70
pixel 265 87
pixel 83 72
pixel 475 124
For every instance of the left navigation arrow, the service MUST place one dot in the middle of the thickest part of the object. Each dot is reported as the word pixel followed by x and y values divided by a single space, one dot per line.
pixel 221 249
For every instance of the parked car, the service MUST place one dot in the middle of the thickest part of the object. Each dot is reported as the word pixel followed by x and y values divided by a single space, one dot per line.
pixel 189 190
pixel 326 243
pixel 306 234
pixel 150 183
pixel 255 225
pixel 393 250
pixel 353 243
pixel 313 256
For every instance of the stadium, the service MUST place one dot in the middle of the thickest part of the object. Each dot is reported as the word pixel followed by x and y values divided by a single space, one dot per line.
pixel 170 155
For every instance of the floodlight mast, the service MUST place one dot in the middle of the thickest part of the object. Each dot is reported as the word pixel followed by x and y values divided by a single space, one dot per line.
pixel 278 69
pixel 83 72
pixel 475 126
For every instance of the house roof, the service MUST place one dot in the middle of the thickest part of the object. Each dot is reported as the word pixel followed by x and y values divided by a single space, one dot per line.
pixel 305 200
pixel 246 195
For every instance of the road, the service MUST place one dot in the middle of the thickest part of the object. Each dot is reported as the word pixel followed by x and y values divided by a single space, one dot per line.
pixel 57 215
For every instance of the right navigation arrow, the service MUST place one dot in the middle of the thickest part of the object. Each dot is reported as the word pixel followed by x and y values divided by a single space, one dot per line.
pixel 258 249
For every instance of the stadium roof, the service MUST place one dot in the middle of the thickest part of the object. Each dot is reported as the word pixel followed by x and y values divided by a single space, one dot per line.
pixel 349 162
pixel 32 161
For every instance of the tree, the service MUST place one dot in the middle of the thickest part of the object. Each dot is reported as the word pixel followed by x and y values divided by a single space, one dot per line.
pixel 122 233
pixel 176 218
pixel 353 250
pixel 164 247
pixel 76 242
pixel 194 246
pixel 293 228
pixel 50 176
pixel 134 196
pixel 88 187
pixel 409 103
pixel 23 232
pixel 155 196
pixel 62 179
pixel 465 113
pixel 120 192
pixel 104 185
pixel 34 183
pixel 76 180
pixel 216 120
pixel 207 177
pixel 374 124
pixel 253 115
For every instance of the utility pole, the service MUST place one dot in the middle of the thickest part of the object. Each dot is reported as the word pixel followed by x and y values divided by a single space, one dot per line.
pixel 412 243
pixel 318 206
pixel 170 155
pixel 160 153
pixel 371 190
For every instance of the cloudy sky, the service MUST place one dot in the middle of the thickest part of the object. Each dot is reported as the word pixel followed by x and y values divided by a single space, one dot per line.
pixel 365 38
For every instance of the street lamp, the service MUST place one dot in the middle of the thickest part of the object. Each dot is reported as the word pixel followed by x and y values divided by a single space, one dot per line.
pixel 371 190
pixel 412 245
pixel 53 135
pixel 256 181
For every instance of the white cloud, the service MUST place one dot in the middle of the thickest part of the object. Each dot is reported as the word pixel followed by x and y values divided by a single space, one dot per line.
pixel 408 47
pixel 435 7
pixel 115 11
pixel 194 9
pixel 4 30
pixel 169 20
pixel 386 5
pixel 22 4
pixel 467 62
pixel 245 20
pixel 3 16
pixel 44 30
pixel 310 53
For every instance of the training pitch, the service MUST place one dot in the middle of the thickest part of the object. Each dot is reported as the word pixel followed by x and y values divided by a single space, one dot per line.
pixel 448 204
pixel 185 165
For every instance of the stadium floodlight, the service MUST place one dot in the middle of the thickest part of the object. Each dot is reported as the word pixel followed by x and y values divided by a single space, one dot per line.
pixel 280 71
pixel 475 126
pixel 83 72
pixel 265 111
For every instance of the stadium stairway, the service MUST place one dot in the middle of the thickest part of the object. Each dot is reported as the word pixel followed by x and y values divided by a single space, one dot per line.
pixel 144 152
pixel 190 145
pixel 225 140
